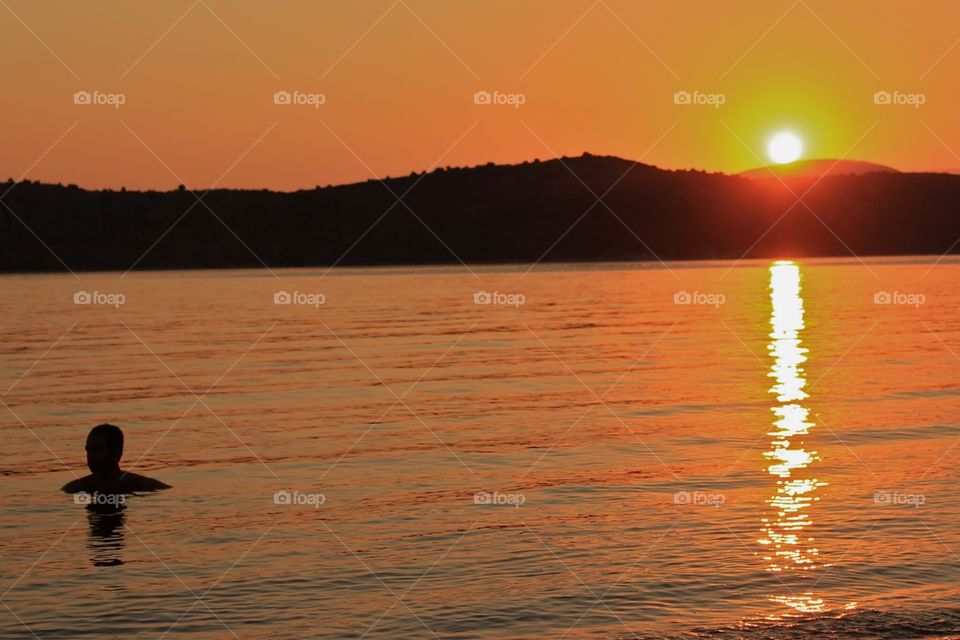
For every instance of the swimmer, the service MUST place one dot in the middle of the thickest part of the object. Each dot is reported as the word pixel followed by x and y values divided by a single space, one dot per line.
pixel 104 449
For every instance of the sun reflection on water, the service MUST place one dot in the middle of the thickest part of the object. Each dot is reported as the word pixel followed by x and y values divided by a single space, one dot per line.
pixel 790 547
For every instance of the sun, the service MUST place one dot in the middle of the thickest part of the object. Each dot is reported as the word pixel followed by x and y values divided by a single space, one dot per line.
pixel 784 147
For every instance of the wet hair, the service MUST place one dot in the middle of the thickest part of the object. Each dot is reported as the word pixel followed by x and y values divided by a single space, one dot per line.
pixel 111 433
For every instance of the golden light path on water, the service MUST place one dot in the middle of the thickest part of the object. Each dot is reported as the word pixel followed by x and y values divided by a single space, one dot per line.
pixel 790 547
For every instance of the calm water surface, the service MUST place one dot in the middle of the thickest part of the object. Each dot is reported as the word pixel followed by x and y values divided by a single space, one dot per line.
pixel 765 450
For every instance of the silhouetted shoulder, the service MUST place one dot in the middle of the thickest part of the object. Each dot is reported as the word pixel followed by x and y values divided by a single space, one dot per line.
pixel 128 483
pixel 137 482
pixel 78 485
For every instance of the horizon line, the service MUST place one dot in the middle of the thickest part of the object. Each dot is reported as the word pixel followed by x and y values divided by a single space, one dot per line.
pixel 414 173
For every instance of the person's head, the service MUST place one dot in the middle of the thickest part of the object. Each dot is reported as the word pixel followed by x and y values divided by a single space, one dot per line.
pixel 104 448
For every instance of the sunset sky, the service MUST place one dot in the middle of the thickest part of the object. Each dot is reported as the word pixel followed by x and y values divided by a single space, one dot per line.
pixel 398 78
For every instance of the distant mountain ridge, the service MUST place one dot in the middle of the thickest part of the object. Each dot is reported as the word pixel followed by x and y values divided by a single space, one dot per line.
pixel 524 212
pixel 816 168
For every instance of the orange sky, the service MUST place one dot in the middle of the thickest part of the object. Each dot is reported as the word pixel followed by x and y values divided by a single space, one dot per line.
pixel 398 77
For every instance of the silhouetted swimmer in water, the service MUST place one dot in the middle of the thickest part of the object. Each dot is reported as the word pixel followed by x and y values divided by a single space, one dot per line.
pixel 104 449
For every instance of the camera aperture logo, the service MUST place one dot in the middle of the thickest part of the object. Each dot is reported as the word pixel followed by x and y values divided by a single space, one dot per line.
pixel 97 498
pixel 899 298
pixel 496 98
pixel 299 298
pixel 299 98
pixel 100 298
pixel 497 297
pixel 697 297
pixel 897 98
pixel 697 98
pixel 497 498
pixel 298 499
pixel 96 98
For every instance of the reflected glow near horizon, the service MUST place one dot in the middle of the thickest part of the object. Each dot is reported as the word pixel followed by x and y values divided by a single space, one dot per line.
pixel 787 539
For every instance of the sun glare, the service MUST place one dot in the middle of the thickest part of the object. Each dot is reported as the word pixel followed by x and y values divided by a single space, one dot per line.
pixel 784 147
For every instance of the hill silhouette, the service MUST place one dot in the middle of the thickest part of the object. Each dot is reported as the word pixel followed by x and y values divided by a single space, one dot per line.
pixel 816 168
pixel 490 213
